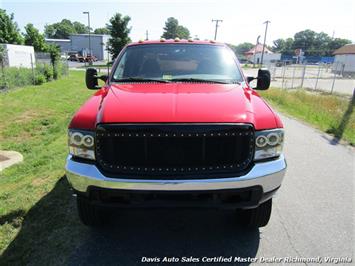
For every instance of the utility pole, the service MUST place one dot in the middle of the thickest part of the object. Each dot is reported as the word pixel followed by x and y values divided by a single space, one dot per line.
pixel 262 54
pixel 256 46
pixel 146 35
pixel 217 22
pixel 88 13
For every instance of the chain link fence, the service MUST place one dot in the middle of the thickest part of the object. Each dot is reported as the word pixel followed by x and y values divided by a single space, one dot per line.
pixel 323 77
pixel 41 70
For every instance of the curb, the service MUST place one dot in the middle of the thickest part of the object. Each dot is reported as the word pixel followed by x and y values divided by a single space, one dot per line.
pixel 9 158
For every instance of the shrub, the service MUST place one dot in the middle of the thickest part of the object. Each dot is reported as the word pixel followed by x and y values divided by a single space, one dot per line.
pixel 18 77
pixel 46 70
pixel 40 79
pixel 56 71
pixel 60 69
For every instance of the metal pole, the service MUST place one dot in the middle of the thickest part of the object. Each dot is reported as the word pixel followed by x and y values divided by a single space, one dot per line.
pixel 108 60
pixel 89 35
pixel 283 75
pixel 303 74
pixel 342 70
pixel 67 71
pixel 33 72
pixel 146 35
pixel 335 73
pixel 262 54
pixel 293 76
pixel 215 32
pixel 256 45
pixel 315 87
pixel 88 13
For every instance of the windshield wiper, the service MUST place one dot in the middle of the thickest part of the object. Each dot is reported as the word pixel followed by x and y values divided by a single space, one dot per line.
pixel 199 80
pixel 139 79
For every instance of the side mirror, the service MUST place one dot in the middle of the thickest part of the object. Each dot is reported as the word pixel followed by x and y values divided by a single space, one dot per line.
pixel 91 79
pixel 264 79
pixel 249 79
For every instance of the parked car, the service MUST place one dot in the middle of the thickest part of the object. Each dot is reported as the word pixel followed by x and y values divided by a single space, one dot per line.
pixel 176 124
pixel 280 63
pixel 73 57
pixel 76 57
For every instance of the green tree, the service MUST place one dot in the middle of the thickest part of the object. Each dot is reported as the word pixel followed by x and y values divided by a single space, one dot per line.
pixel 173 30
pixel 283 46
pixel 64 28
pixel 2 64
pixel 9 32
pixel 2 55
pixel 241 48
pixel 336 44
pixel 80 28
pixel 306 41
pixel 35 38
pixel 183 32
pixel 321 44
pixel 60 30
pixel 311 42
pixel 101 31
pixel 278 45
pixel 54 53
pixel 119 31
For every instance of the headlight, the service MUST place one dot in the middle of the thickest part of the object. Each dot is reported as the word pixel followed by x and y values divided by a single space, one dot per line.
pixel 268 143
pixel 82 143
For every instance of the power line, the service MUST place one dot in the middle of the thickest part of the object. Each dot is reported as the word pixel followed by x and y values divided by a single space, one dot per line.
pixel 217 22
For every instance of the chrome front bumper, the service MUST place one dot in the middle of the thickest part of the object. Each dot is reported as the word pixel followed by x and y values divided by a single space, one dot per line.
pixel 268 175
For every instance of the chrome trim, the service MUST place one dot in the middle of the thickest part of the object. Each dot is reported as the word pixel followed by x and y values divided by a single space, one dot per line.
pixel 269 175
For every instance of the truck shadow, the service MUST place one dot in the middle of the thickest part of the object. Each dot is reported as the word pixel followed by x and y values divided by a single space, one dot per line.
pixel 52 234
pixel 135 235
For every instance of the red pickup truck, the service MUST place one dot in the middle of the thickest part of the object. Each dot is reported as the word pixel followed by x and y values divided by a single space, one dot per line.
pixel 176 125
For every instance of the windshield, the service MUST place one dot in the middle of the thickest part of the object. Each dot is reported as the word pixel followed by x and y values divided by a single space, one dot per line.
pixel 177 62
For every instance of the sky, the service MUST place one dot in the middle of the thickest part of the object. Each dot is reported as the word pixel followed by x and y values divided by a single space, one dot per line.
pixel 242 20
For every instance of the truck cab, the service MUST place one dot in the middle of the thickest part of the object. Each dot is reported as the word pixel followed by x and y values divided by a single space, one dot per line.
pixel 176 124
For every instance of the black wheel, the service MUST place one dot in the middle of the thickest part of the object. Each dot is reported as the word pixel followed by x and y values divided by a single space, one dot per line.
pixel 89 214
pixel 257 217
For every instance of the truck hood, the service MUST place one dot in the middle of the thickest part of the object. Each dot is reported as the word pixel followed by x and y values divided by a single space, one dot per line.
pixel 176 103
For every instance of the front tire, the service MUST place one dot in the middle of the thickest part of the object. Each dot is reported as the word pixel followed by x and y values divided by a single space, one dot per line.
pixel 89 214
pixel 257 217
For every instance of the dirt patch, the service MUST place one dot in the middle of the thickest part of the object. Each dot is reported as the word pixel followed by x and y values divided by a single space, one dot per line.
pixel 39 181
pixel 3 158
pixel 30 115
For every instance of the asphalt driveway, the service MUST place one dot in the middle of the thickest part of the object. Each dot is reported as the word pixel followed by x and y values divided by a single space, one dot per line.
pixel 312 216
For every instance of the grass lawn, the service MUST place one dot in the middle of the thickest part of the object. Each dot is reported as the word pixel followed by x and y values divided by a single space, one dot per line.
pixel 35 203
pixel 330 113
pixel 38 220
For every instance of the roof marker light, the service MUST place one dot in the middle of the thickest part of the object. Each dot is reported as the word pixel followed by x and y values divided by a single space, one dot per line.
pixel 162 39
pixel 177 39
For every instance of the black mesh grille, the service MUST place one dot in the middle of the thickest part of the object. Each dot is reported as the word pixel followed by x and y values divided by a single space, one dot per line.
pixel 174 149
